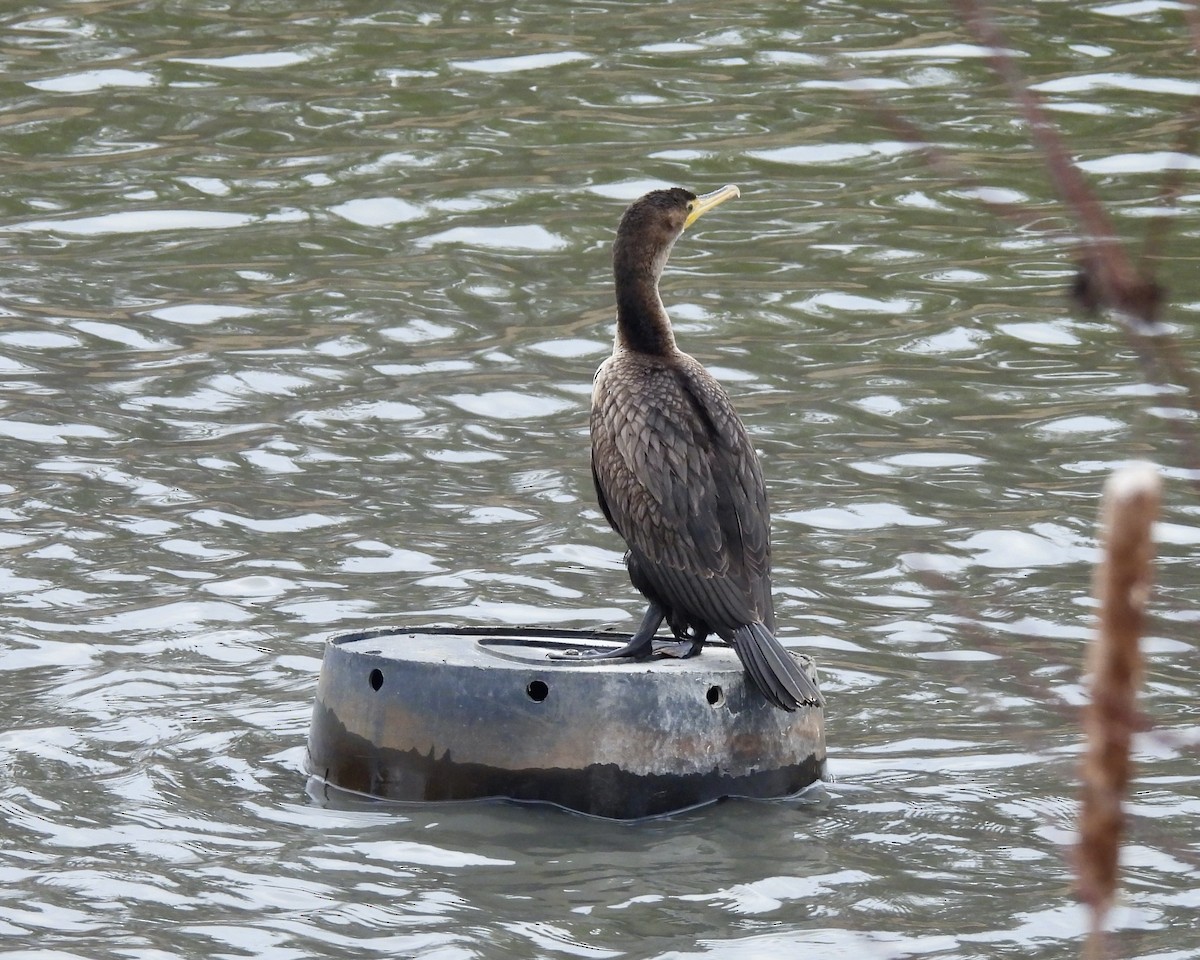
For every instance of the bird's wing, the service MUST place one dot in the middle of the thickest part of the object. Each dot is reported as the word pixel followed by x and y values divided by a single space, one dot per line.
pixel 678 478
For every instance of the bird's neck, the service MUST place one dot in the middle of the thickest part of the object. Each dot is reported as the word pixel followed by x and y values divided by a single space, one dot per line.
pixel 642 321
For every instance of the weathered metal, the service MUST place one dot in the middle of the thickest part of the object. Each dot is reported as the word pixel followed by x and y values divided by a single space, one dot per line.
pixel 455 714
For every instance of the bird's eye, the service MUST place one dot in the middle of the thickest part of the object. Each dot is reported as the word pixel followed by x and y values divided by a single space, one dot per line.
pixel 691 206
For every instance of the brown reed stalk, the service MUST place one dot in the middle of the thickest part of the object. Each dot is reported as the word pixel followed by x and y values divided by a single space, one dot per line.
pixel 1109 278
pixel 1123 580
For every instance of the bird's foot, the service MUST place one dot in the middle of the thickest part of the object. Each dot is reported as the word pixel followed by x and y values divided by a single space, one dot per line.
pixel 678 649
pixel 631 651
pixel 639 646
pixel 590 656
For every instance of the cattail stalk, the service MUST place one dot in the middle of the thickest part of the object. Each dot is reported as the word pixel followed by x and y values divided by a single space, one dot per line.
pixel 1123 579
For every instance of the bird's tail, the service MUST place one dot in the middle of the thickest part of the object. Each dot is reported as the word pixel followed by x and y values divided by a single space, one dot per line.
pixel 774 671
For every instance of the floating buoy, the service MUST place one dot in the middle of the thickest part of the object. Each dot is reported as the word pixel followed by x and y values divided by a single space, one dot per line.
pixel 455 714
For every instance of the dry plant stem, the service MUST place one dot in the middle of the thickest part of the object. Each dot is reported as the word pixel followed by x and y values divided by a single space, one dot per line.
pixel 1131 500
pixel 1109 278
pixel 1172 187
pixel 939 160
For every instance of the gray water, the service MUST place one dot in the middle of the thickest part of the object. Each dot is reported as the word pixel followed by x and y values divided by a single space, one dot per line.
pixel 299 307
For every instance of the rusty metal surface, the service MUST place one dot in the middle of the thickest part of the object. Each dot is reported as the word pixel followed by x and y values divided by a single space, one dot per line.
pixel 433 714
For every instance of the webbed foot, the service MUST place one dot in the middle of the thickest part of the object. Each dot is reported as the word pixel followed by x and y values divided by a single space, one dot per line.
pixel 639 647
pixel 628 652
pixel 679 649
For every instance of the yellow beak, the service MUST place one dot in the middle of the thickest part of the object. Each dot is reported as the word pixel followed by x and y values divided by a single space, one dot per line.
pixel 705 203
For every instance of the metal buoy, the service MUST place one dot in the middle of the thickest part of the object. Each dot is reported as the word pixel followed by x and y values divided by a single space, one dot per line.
pixel 456 714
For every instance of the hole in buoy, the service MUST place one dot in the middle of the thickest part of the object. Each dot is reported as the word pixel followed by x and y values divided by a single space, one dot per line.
pixel 715 696
pixel 537 690
pixel 375 678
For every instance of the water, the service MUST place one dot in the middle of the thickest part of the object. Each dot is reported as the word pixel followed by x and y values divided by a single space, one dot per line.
pixel 299 309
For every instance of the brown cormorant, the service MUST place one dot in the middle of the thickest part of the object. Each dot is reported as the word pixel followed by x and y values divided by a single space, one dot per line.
pixel 676 474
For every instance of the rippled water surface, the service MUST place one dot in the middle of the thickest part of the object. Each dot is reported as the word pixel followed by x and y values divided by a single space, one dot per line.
pixel 299 307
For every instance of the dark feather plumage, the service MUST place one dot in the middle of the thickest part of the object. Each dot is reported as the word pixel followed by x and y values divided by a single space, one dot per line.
pixel 676 474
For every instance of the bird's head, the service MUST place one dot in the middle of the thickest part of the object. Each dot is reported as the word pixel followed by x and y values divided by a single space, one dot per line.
pixel 653 222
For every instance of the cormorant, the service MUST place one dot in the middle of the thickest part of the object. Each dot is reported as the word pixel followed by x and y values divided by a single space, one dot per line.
pixel 676 474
